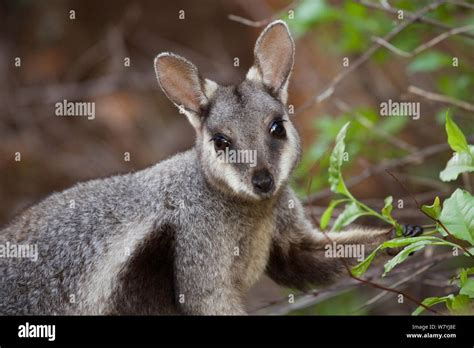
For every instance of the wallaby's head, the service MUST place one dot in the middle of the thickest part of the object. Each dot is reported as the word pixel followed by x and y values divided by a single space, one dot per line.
pixel 246 142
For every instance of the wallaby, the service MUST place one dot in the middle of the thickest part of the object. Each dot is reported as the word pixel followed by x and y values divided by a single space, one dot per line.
pixel 192 234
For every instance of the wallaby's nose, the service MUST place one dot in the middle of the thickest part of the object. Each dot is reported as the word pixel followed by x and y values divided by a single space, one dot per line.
pixel 262 181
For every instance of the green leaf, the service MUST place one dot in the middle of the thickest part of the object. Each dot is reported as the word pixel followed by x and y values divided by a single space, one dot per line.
pixel 335 163
pixel 362 267
pixel 460 304
pixel 420 244
pixel 351 212
pixel 431 301
pixel 456 138
pixel 401 242
pixel 326 217
pixel 468 288
pixel 388 207
pixel 463 276
pixel 398 230
pixel 433 210
pixel 402 255
pixel 387 212
pixel 461 162
pixel 429 61
pixel 458 215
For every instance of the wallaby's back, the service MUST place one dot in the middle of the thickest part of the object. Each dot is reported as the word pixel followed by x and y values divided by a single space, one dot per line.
pixel 86 233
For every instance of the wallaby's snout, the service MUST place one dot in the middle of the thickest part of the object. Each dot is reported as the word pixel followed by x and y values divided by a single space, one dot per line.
pixel 262 182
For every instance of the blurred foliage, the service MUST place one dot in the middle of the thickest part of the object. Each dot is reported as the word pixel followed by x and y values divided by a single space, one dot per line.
pixel 347 29
pixel 365 132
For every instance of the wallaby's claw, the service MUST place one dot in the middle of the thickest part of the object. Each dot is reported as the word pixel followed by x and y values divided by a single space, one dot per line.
pixel 412 230
pixel 407 231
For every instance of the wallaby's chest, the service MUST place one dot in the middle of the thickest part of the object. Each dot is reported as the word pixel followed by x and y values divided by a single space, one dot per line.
pixel 251 252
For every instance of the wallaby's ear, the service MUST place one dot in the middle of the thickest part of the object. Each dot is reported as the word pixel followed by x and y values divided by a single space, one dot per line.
pixel 180 81
pixel 274 56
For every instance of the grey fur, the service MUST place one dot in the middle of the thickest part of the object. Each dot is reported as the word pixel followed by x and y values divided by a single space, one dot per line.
pixel 178 237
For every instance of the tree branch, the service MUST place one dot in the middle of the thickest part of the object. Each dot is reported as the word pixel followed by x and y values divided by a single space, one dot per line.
pixel 427 44
pixel 394 11
pixel 441 98
pixel 433 262
pixel 330 88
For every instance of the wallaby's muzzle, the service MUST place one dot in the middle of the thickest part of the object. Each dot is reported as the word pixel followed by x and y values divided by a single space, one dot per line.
pixel 262 182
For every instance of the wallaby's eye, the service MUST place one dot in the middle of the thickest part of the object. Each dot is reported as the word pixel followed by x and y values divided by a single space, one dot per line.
pixel 277 129
pixel 220 142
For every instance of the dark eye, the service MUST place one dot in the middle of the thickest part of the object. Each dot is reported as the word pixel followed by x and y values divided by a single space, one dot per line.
pixel 277 129
pixel 220 142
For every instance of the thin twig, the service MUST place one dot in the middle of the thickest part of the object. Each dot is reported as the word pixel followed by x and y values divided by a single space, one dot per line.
pixel 263 22
pixel 423 47
pixel 376 298
pixel 462 4
pixel 441 98
pixel 395 11
pixel 330 88
pixel 433 262
pixel 425 181
pixel 391 47
pixel 436 40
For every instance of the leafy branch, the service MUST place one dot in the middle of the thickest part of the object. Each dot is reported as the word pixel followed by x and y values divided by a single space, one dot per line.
pixel 453 218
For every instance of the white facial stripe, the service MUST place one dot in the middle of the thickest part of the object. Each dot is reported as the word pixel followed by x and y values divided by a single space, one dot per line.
pixel 224 171
pixel 288 156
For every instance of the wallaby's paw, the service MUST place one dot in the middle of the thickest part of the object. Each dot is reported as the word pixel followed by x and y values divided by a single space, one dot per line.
pixel 412 230
pixel 407 231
